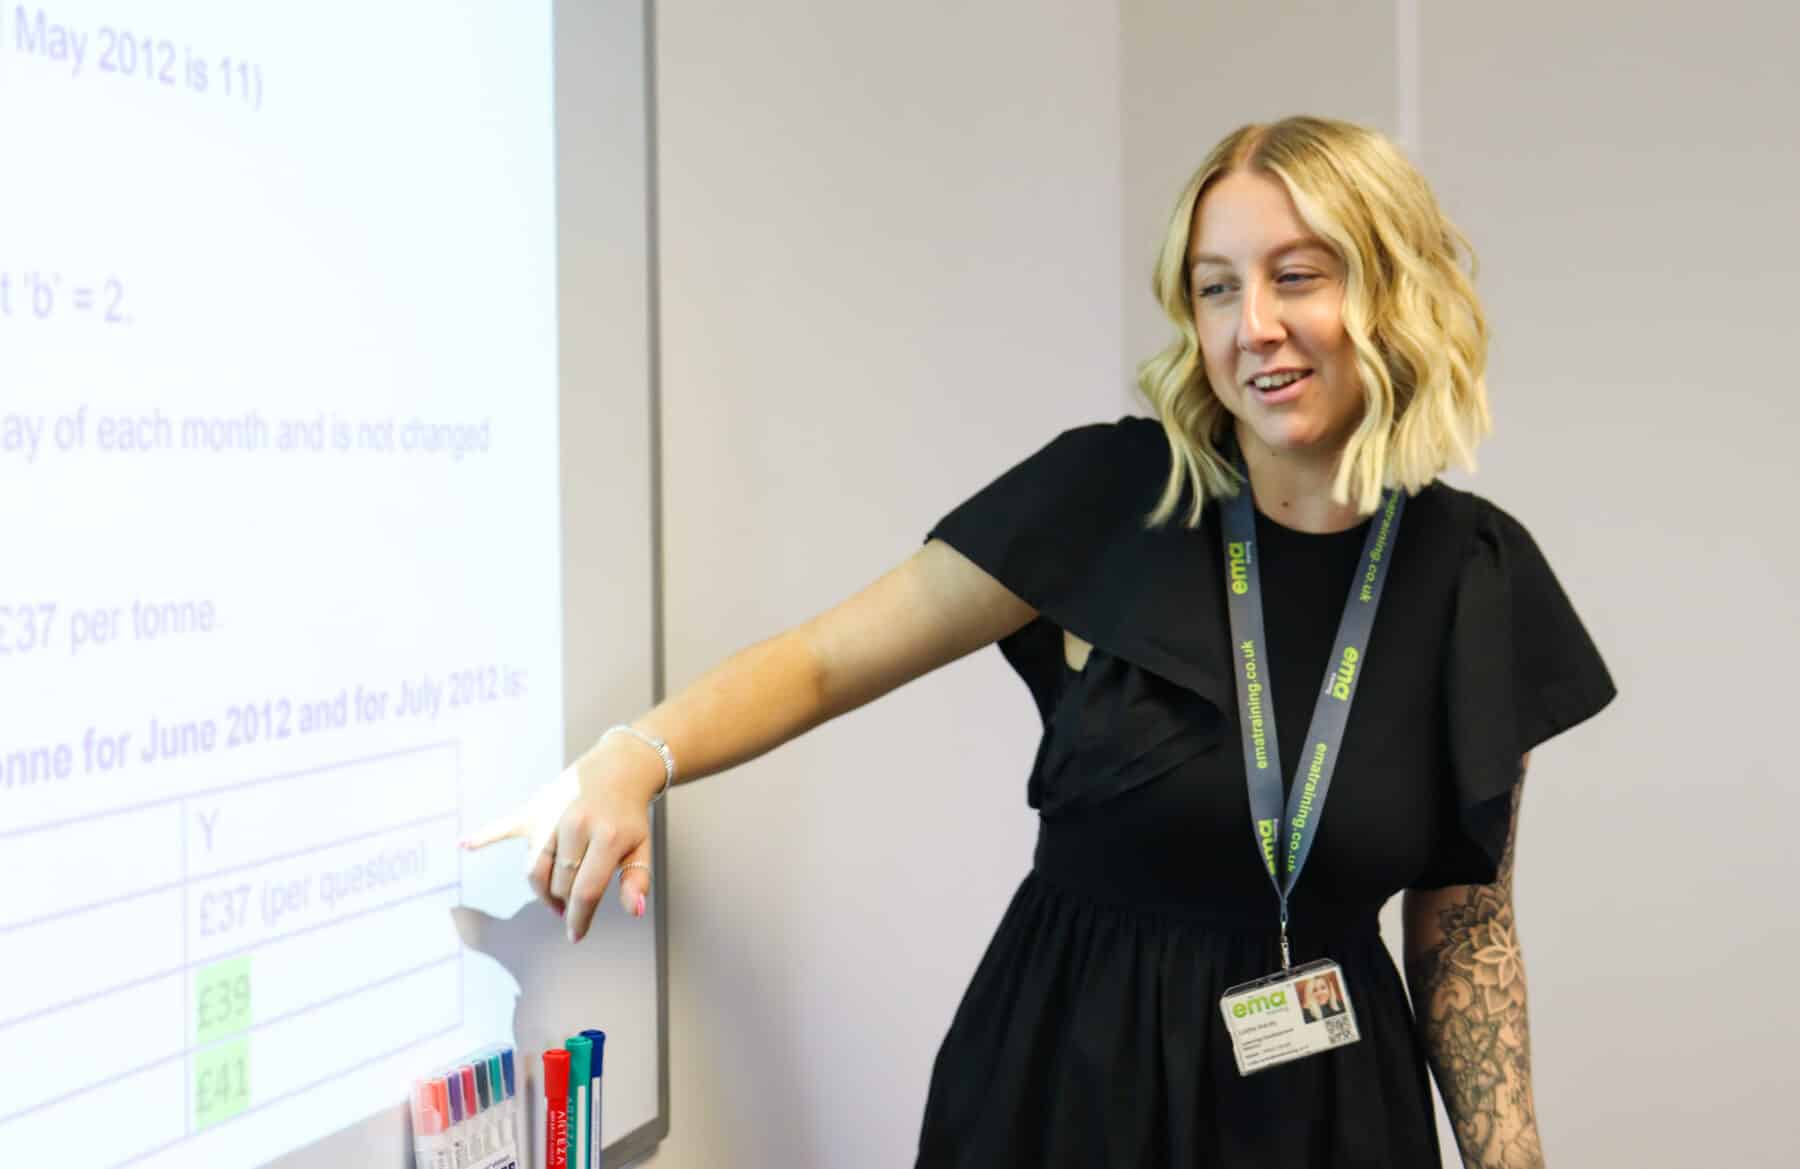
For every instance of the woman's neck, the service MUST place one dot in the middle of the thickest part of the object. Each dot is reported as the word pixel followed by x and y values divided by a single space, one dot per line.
pixel 1293 488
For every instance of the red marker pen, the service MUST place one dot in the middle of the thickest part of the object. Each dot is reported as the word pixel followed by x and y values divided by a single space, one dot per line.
pixel 471 1109
pixel 556 1109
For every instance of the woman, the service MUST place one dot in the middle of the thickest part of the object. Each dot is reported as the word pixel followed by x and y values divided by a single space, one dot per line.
pixel 1417 646
pixel 1321 1001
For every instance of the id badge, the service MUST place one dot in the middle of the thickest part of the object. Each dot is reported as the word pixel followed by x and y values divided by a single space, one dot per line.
pixel 1289 1016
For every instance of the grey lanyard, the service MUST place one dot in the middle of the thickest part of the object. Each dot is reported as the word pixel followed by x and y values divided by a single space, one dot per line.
pixel 1256 710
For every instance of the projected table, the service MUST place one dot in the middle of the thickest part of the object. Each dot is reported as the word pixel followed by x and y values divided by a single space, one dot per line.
pixel 173 965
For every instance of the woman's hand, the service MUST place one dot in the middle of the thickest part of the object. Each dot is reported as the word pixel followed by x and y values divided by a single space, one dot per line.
pixel 580 828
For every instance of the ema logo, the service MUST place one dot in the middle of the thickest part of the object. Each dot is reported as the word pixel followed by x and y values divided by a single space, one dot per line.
pixel 1239 553
pixel 1346 674
pixel 1260 1003
pixel 1265 836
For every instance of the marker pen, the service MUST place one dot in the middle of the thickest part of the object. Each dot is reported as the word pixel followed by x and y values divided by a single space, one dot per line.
pixel 599 1040
pixel 484 1091
pixel 429 1122
pixel 424 1123
pixel 472 1134
pixel 581 1075
pixel 503 1124
pixel 440 1092
pixel 459 1143
pixel 517 1117
pixel 440 1103
pixel 556 1109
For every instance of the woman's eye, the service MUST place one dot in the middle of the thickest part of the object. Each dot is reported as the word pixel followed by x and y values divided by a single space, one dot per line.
pixel 1207 290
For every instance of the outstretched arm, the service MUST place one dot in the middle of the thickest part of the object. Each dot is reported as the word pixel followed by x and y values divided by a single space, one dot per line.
pixel 1467 976
pixel 933 608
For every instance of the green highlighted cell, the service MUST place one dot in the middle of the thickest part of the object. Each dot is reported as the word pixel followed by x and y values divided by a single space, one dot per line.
pixel 221 1082
pixel 221 1000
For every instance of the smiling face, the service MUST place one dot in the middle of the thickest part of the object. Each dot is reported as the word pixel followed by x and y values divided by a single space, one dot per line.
pixel 1267 294
pixel 1318 992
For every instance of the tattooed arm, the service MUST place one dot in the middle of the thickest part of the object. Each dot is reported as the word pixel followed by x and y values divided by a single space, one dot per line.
pixel 1467 977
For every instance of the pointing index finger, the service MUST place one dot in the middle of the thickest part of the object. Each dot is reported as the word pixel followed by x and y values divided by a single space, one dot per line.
pixel 505 827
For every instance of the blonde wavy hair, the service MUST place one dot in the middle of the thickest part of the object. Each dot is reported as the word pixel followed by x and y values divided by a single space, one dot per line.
pixel 1410 312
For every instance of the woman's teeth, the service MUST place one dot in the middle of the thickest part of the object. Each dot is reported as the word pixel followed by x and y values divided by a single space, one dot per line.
pixel 1279 380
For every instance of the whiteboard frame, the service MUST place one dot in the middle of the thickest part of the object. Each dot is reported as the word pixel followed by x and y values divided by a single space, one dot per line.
pixel 592 521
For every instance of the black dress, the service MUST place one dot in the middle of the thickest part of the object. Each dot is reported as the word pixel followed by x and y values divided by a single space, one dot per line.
pixel 1091 1035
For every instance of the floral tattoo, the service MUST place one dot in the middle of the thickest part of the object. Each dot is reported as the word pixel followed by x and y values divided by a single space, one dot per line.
pixel 1468 987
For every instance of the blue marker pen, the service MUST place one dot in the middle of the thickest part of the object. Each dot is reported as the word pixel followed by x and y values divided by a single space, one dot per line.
pixel 599 1041
pixel 515 1119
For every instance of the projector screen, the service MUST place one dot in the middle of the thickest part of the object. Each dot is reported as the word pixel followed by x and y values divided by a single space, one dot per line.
pixel 282 611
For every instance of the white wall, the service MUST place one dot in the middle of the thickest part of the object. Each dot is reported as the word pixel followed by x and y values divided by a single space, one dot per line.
pixel 890 268
pixel 902 246
pixel 1628 175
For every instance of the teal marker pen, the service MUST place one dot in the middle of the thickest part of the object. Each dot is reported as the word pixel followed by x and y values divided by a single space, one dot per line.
pixel 503 1113
pixel 581 1073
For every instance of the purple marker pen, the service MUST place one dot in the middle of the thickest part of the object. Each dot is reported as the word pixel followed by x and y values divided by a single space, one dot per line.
pixel 459 1145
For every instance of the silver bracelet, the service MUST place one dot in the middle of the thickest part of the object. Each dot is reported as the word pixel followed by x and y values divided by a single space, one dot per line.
pixel 661 747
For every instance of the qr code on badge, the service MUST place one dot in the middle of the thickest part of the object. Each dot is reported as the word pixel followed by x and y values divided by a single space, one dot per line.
pixel 1338 1031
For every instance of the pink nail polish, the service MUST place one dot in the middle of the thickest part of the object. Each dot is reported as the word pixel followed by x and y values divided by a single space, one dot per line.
pixel 640 905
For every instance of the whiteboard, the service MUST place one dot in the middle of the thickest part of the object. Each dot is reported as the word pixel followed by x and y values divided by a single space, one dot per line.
pixel 328 460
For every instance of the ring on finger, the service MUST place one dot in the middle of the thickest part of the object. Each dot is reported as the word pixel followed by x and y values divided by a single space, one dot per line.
pixel 564 863
pixel 634 865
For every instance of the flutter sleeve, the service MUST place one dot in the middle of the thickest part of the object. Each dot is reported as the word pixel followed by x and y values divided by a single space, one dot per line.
pixel 1521 669
pixel 1042 529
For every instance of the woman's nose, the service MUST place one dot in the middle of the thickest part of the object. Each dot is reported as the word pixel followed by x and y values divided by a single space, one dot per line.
pixel 1260 321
